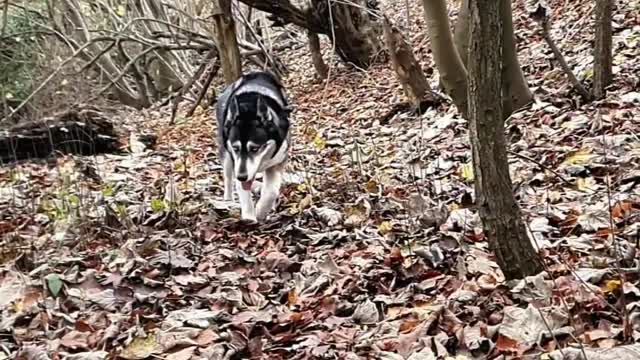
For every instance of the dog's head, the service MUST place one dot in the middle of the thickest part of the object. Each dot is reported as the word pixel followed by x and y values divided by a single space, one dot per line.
pixel 251 135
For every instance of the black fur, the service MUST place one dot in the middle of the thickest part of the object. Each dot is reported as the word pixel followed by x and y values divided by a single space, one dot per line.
pixel 248 112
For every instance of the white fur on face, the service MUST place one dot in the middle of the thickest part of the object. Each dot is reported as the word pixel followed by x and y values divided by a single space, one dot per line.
pixel 253 162
pixel 232 150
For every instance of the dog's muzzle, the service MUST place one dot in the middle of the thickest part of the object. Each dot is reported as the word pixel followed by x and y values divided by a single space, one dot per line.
pixel 245 181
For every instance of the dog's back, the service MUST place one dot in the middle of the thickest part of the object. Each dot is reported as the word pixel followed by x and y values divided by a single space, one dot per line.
pixel 261 82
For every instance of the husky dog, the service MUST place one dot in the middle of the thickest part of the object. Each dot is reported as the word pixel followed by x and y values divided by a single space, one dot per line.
pixel 253 137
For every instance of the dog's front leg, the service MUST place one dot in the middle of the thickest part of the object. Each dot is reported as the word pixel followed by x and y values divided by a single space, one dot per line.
pixel 247 209
pixel 269 192
pixel 227 175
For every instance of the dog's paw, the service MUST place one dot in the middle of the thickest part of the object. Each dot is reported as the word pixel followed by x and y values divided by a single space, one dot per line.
pixel 261 217
pixel 249 218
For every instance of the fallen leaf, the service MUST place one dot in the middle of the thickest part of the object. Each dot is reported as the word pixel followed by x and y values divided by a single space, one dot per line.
pixel 141 348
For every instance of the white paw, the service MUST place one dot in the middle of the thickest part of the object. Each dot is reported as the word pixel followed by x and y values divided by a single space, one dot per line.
pixel 262 217
pixel 249 218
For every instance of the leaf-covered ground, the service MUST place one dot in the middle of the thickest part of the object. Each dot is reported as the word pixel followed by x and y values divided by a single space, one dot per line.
pixel 375 250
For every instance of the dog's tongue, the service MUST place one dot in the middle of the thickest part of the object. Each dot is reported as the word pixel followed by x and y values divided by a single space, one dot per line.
pixel 246 185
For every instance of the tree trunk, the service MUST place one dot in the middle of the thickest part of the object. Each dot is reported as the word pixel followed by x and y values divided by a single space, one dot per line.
pixel 602 62
pixel 500 214
pixel 453 74
pixel 461 32
pixel 226 41
pixel 354 34
pixel 357 38
pixel 515 90
pixel 406 66
pixel 316 55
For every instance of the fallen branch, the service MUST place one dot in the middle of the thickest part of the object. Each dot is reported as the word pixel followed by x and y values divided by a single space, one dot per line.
pixel 187 87
pixel 542 166
pixel 541 15
pixel 205 87
pixel 83 131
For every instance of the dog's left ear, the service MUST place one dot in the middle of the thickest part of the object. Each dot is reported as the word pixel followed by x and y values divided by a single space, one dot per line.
pixel 263 110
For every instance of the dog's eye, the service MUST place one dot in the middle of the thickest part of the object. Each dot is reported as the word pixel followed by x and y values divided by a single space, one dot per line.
pixel 236 148
pixel 254 149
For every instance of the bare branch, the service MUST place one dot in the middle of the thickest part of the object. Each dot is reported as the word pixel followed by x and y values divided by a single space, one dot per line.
pixel 5 18
pixel 51 76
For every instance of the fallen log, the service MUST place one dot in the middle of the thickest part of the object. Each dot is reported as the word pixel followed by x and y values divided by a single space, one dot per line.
pixel 83 131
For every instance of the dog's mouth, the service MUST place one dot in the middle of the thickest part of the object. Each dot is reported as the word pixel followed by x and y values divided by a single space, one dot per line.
pixel 246 185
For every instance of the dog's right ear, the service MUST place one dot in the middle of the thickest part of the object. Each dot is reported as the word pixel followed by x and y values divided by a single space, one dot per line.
pixel 234 108
pixel 232 113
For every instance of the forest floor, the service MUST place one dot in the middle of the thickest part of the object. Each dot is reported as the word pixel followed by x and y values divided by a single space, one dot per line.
pixel 375 250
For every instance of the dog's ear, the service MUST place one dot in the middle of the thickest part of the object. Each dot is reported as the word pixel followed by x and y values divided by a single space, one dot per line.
pixel 234 108
pixel 262 108
pixel 232 113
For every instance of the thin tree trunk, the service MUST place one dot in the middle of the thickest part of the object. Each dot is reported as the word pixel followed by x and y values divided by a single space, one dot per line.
pixel 316 56
pixel 405 65
pixel 461 31
pixel 453 74
pixel 515 90
pixel 577 85
pixel 5 17
pixel 500 214
pixel 602 61
pixel 226 41
pixel 354 33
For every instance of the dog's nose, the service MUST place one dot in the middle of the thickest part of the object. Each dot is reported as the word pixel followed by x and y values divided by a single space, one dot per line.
pixel 242 177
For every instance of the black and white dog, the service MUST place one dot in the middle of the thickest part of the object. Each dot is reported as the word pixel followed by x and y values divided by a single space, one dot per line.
pixel 253 137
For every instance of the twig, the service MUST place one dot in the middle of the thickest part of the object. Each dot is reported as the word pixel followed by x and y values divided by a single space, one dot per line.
pixel 563 63
pixel 257 38
pixel 562 299
pixel 174 108
pixel 112 82
pixel 52 75
pixel 544 167
pixel 204 89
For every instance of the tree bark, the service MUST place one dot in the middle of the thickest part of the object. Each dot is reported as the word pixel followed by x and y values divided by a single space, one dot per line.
pixel 453 74
pixel 500 214
pixel 515 90
pixel 226 41
pixel 406 66
pixel 602 57
pixel 316 56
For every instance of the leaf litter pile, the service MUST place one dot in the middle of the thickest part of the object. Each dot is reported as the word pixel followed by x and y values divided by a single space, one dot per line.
pixel 375 249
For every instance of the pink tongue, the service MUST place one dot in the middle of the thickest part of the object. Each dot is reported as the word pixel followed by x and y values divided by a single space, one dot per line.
pixel 246 185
